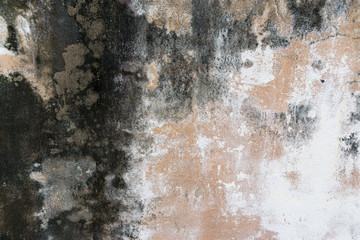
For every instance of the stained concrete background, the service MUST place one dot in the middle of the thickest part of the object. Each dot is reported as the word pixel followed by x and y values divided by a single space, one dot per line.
pixel 179 119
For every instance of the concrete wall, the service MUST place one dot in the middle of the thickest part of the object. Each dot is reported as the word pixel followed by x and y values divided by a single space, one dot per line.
pixel 179 119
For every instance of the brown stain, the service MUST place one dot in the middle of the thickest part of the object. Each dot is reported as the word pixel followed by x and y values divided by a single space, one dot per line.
pixel 288 71
pixel 239 8
pixel 349 181
pixel 39 80
pixel 195 199
pixel 275 11
pixel 23 62
pixel 291 67
pixel 152 75
pixel 73 79
pixel 70 81
pixel 293 177
pixel 355 178
pixel 174 15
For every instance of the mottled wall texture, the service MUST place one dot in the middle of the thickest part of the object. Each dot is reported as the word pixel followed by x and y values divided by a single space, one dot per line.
pixel 179 119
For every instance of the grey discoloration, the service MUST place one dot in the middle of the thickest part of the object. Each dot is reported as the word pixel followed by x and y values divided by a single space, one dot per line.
pixel 355 116
pixel 295 125
pixel 273 39
pixel 63 188
pixel 318 65
pixel 301 124
pixel 350 144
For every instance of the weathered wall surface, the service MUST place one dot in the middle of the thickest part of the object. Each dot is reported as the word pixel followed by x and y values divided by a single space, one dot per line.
pixel 179 119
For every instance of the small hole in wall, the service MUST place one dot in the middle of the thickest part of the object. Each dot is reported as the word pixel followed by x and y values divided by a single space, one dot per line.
pixel 318 65
pixel 248 63
pixel 322 80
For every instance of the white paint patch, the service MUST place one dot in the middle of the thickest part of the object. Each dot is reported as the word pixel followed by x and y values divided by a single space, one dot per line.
pixel 3 38
pixel 235 199
pixel 202 143
pixel 315 206
pixel 308 211
pixel 242 176
pixel 22 26
pixel 3 32
pixel 137 6
pixel 261 72
pixel 5 51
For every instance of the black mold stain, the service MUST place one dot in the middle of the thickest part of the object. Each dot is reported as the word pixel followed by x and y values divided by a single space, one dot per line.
pixel 22 143
pixel 300 126
pixel 178 77
pixel 208 23
pixel 273 39
pixel 175 79
pixel 205 15
pixel 104 143
pixel 355 116
pixel 351 145
pixel 62 228
pixel 11 42
pixel 307 16
pixel 112 108
pixel 186 78
pixel 240 35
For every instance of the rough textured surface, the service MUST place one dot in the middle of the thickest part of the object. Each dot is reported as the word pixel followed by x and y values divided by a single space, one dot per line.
pixel 204 119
